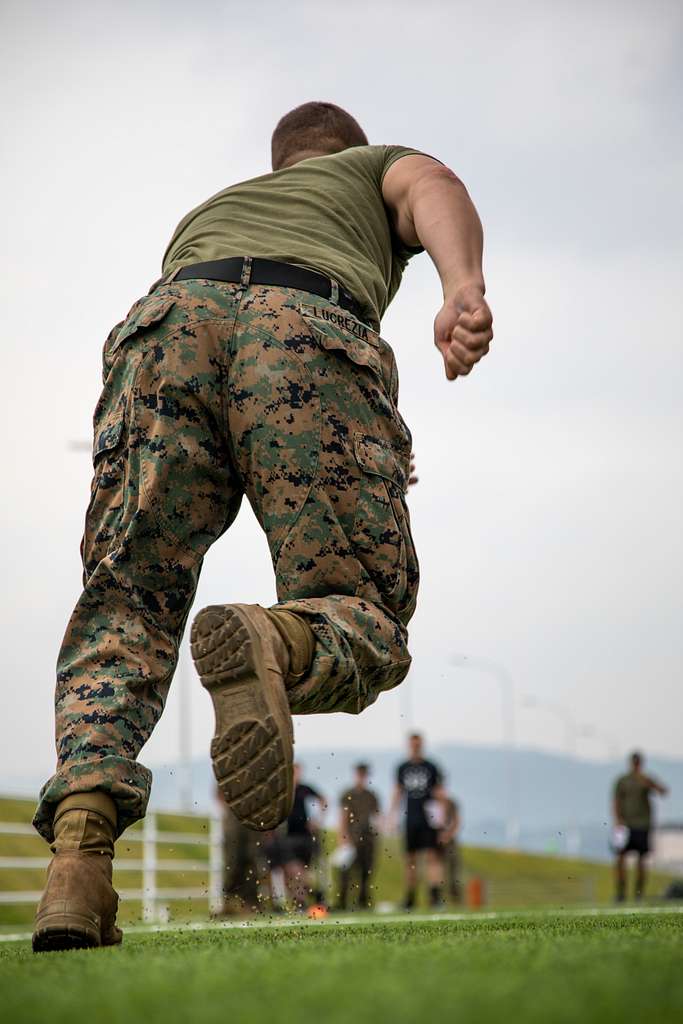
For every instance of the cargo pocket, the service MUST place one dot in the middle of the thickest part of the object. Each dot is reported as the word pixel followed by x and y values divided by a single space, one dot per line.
pixel 340 333
pixel 337 331
pixel 147 312
pixel 105 509
pixel 381 531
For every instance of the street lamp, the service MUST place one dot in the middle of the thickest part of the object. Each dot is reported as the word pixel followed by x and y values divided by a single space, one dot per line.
pixel 611 746
pixel 565 717
pixel 573 841
pixel 506 687
pixel 185 731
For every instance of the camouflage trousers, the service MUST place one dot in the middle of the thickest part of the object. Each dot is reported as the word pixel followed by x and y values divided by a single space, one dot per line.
pixel 213 390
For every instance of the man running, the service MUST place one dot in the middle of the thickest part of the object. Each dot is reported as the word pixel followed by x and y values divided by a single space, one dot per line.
pixel 254 366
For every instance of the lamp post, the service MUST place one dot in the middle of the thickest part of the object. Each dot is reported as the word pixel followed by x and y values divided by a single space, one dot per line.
pixel 568 721
pixel 506 688
pixel 571 732
pixel 406 706
pixel 609 743
pixel 184 731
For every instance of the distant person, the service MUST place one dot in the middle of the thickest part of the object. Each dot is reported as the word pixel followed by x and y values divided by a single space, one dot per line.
pixel 633 810
pixel 418 781
pixel 274 856
pixel 450 848
pixel 359 811
pixel 244 868
pixel 301 844
pixel 443 815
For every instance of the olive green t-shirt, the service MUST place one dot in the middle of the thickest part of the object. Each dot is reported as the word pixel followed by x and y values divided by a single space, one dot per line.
pixel 362 806
pixel 632 793
pixel 325 213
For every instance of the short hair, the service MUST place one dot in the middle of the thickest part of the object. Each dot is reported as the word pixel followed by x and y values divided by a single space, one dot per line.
pixel 636 757
pixel 362 767
pixel 317 126
pixel 415 736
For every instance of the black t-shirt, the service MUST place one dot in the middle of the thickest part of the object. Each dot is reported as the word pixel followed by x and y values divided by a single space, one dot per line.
pixel 298 819
pixel 417 779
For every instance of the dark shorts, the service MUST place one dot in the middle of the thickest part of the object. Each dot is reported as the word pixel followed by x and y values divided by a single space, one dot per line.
pixel 638 841
pixel 298 848
pixel 421 837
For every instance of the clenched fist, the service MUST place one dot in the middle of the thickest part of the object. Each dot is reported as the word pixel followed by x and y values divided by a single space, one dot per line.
pixel 463 330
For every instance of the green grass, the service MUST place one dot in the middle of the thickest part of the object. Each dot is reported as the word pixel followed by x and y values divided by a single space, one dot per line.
pixel 533 970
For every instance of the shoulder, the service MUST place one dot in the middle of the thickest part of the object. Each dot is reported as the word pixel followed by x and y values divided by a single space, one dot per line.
pixel 377 159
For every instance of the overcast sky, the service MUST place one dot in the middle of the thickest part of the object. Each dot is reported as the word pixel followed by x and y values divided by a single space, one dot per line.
pixel 548 510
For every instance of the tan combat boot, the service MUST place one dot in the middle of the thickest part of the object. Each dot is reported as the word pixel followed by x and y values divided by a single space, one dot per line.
pixel 246 657
pixel 78 907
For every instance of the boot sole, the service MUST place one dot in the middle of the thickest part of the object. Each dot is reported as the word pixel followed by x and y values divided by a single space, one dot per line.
pixel 253 747
pixel 60 932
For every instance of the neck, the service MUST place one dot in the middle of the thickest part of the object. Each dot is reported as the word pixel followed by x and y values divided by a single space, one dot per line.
pixel 302 154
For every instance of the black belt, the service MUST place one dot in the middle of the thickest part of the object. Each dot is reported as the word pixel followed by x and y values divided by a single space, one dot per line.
pixel 285 275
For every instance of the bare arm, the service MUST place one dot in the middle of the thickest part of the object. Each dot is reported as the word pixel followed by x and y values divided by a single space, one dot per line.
pixel 452 829
pixel 344 826
pixel 430 206
pixel 616 807
pixel 315 824
pixel 658 787
pixel 396 798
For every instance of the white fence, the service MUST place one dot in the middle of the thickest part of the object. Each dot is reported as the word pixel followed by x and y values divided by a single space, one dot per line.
pixel 153 895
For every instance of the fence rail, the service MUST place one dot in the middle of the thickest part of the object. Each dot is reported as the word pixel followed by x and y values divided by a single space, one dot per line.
pixel 152 896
